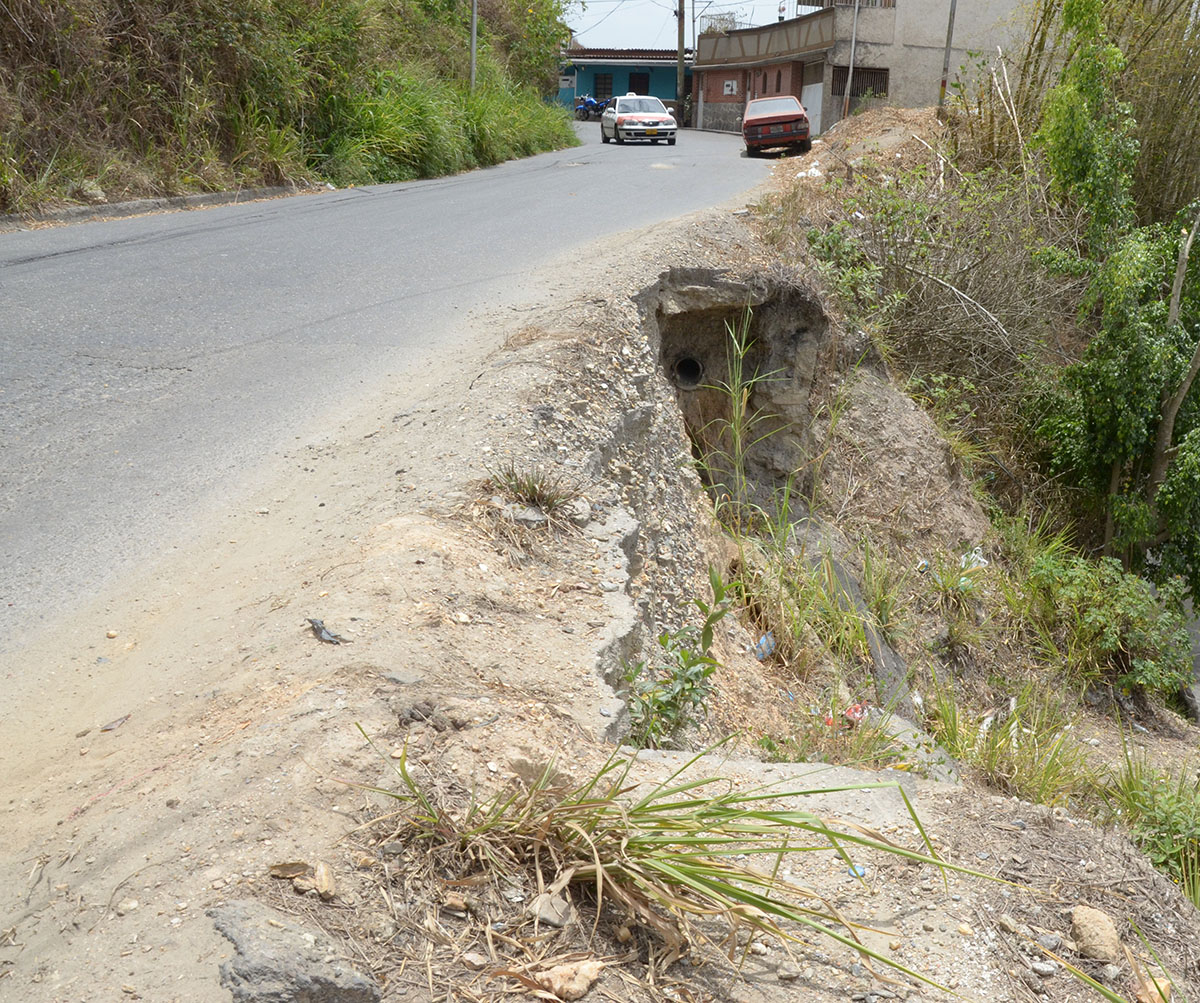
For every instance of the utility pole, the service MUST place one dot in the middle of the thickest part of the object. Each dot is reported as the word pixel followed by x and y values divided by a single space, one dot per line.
pixel 946 57
pixel 679 65
pixel 474 23
pixel 850 70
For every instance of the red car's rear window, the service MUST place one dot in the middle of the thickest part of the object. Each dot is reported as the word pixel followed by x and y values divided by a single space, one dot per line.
pixel 772 106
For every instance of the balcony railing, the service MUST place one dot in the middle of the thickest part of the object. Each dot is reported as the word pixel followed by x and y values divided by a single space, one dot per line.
pixel 890 4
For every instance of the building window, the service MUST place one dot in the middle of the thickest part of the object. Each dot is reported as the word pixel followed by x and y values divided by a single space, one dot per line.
pixel 778 81
pixel 867 80
pixel 639 83
pixel 603 86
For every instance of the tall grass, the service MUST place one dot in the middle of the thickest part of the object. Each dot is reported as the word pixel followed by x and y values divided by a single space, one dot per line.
pixel 139 98
pixel 1026 748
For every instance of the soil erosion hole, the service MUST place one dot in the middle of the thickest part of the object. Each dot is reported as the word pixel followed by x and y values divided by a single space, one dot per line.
pixel 748 414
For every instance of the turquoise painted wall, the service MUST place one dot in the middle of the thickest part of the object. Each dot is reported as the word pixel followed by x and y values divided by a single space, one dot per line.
pixel 662 81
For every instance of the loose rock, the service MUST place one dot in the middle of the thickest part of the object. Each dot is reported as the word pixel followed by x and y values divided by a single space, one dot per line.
pixel 1095 934
pixel 570 982
pixel 554 910
pixel 276 961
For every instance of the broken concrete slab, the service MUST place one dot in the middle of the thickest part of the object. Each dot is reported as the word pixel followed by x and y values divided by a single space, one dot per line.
pixel 278 961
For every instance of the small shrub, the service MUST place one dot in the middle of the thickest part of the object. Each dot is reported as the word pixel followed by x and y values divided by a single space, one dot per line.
pixel 1110 625
pixel 855 279
pixel 668 697
pixel 679 857
pixel 886 593
pixel 957 582
pixel 1024 747
pixel 1163 814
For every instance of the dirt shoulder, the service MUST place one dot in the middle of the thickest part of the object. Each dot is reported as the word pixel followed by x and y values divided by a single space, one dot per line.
pixel 212 735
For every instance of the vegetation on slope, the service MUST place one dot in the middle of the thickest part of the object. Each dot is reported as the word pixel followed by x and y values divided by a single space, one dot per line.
pixel 100 99
pixel 1041 296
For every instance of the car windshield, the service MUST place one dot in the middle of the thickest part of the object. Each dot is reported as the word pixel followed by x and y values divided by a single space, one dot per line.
pixel 633 105
pixel 773 106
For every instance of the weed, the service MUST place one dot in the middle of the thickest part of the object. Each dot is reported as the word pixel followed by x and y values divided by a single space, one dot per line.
pixel 670 696
pixel 680 858
pixel 885 591
pixel 546 489
pixel 725 443
pixel 827 735
pixel 1023 747
pixel 957 582
pixel 1163 813
pixel 1026 540
pixel 832 610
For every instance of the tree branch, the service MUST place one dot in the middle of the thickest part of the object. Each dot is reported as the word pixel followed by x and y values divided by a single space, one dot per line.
pixel 963 296
pixel 1172 402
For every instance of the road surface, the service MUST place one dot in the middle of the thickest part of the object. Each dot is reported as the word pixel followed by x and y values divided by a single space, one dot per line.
pixel 147 363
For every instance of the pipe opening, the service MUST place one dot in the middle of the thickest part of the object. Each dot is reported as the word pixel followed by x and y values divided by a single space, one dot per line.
pixel 688 373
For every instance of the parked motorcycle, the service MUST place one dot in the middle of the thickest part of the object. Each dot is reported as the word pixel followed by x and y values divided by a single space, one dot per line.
pixel 588 108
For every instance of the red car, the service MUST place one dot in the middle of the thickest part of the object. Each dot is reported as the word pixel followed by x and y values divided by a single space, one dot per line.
pixel 773 122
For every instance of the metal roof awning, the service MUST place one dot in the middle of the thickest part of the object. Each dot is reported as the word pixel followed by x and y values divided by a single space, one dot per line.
pixel 624 57
pixel 781 42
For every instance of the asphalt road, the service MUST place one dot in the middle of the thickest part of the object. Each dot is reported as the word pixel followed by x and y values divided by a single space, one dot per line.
pixel 148 363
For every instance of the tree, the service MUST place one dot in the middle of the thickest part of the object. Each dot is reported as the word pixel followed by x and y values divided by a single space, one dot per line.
pixel 1125 421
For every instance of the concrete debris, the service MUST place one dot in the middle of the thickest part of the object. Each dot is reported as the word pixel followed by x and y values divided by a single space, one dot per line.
pixel 276 961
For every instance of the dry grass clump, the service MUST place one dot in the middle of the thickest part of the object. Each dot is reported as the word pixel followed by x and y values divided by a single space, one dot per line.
pixel 520 506
pixel 690 863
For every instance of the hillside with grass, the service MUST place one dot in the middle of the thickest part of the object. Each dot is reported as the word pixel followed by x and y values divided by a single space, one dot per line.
pixel 1025 266
pixel 105 101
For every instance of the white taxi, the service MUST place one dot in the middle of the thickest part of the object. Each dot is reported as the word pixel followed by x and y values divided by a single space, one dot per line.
pixel 636 116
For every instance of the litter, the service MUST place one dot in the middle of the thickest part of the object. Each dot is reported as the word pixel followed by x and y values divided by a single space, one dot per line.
pixel 323 634
pixel 973 559
pixel 764 647
pixel 855 713
pixel 857 871
pixel 114 725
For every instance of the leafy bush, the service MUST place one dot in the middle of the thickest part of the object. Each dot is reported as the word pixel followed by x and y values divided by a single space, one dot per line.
pixel 666 698
pixel 1110 625
pixel 947 271
pixel 1163 813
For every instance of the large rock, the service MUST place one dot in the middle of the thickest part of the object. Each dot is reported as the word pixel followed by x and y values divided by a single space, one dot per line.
pixel 1095 934
pixel 276 961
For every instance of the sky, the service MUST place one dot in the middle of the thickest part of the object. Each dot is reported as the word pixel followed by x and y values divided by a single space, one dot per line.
pixel 651 24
